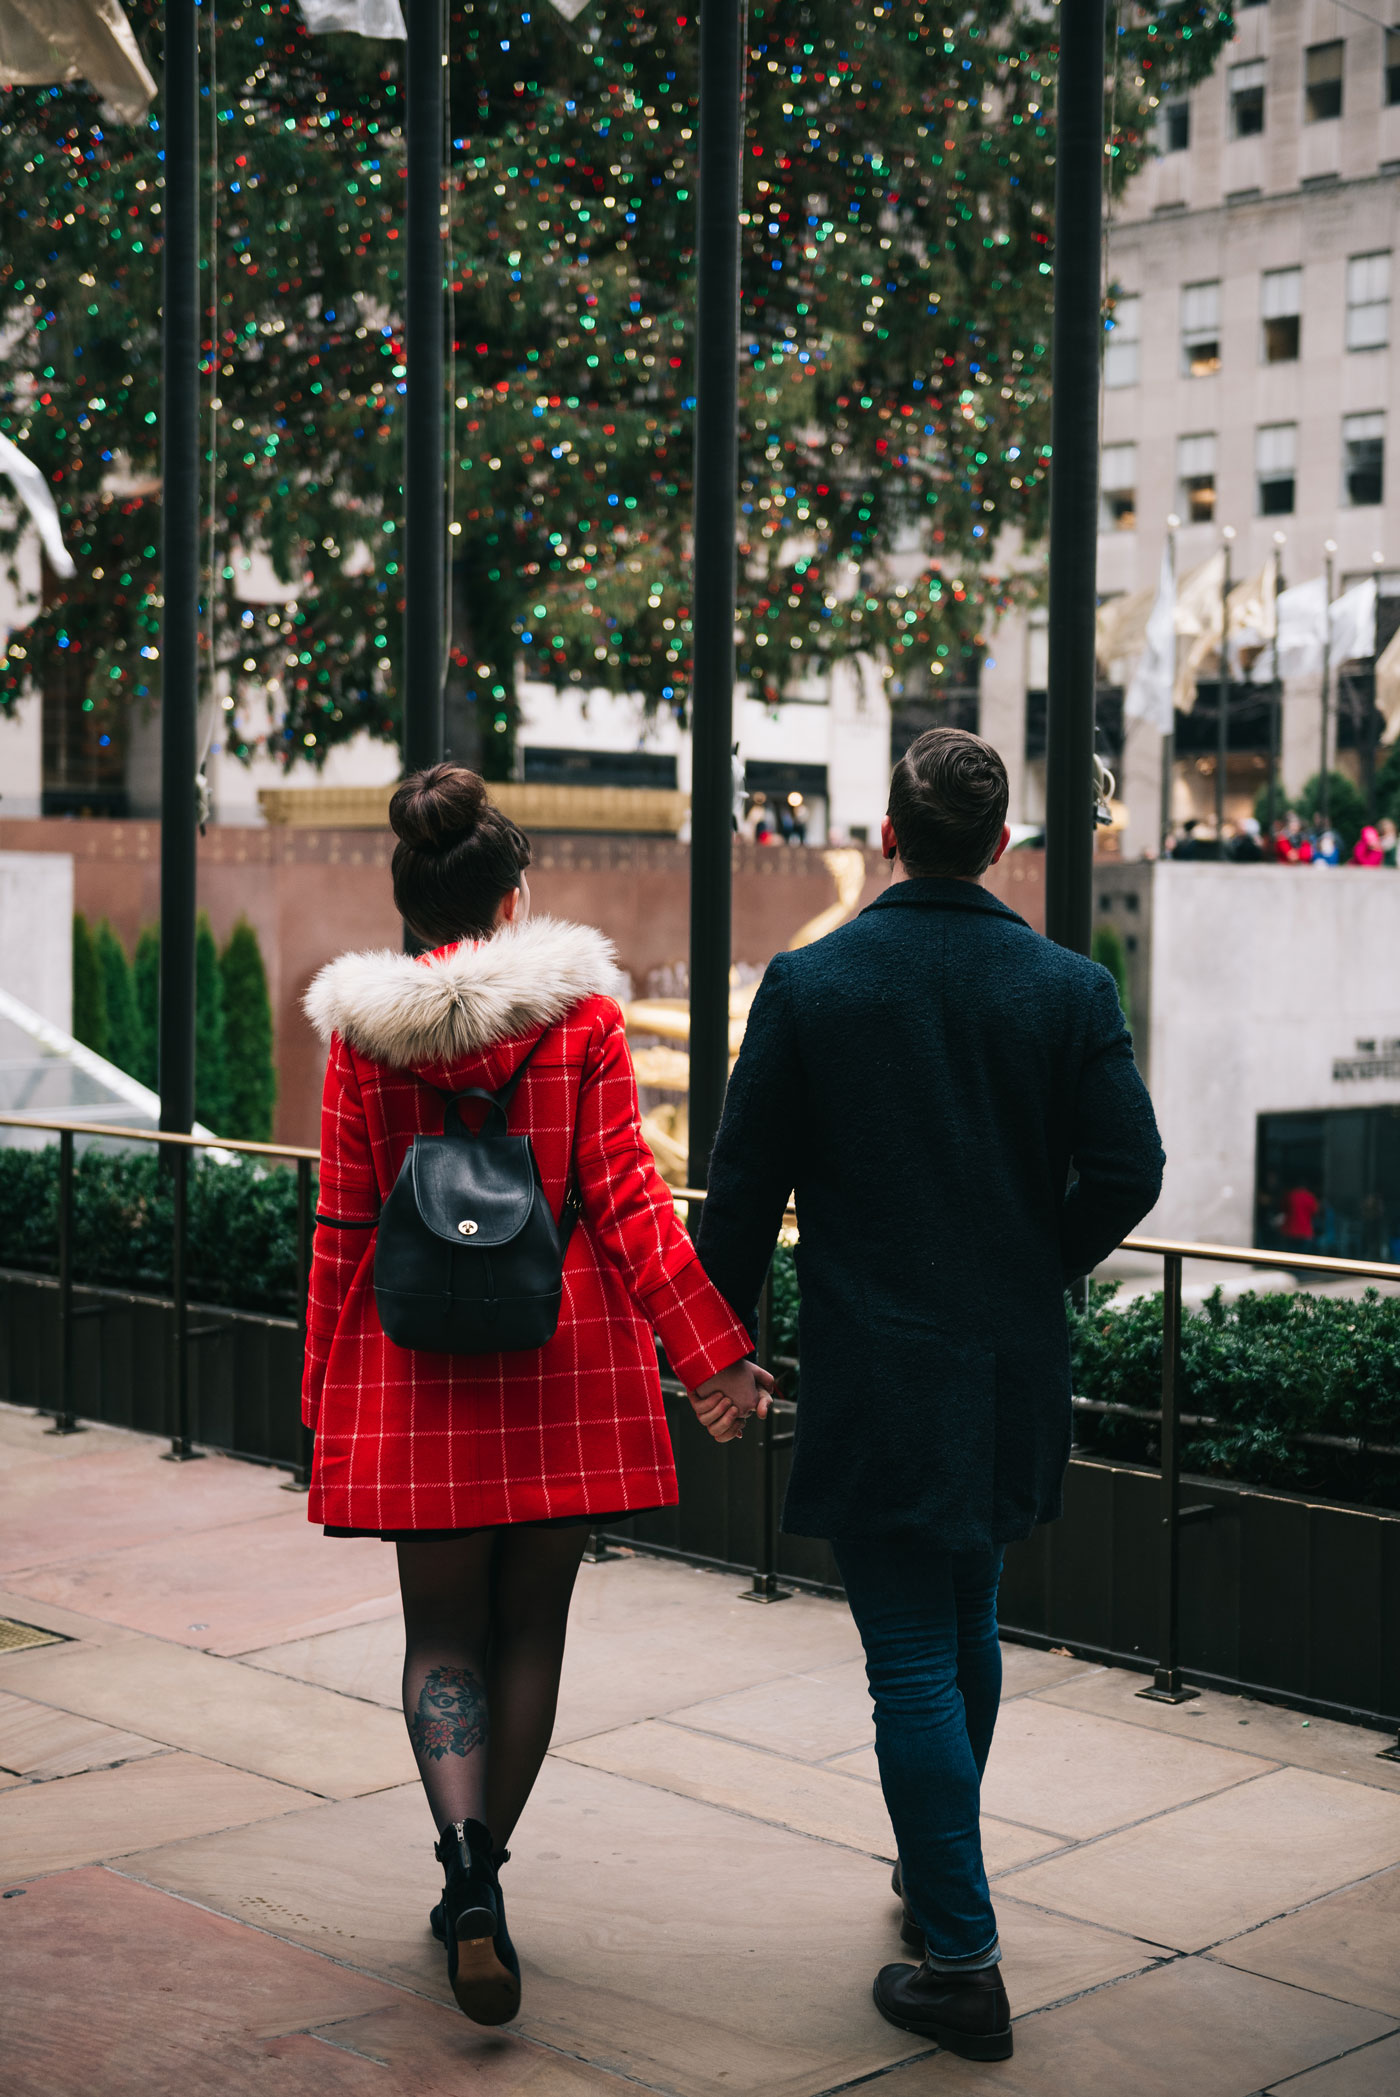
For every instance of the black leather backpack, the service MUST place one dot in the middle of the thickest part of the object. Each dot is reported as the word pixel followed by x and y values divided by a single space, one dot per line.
pixel 470 1259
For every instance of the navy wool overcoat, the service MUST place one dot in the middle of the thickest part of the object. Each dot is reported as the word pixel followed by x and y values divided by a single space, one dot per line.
pixel 929 1080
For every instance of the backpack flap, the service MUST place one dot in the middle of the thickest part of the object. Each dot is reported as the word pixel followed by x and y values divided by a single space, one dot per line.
pixel 475 1194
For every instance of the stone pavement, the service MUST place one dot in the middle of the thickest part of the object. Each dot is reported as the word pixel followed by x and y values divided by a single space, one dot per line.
pixel 217 1865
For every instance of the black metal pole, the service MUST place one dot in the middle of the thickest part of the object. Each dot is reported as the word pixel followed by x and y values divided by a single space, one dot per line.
pixel 714 581
pixel 1074 475
pixel 65 1419
pixel 424 406
pixel 300 1481
pixel 1222 710
pixel 181 1447
pixel 180 479
pixel 1166 1676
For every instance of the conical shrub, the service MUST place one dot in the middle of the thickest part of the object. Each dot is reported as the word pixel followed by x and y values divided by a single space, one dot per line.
pixel 146 975
pixel 210 1072
pixel 89 990
pixel 119 988
pixel 250 1075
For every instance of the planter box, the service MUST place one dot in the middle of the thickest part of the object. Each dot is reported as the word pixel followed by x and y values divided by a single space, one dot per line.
pixel 1282 1596
pixel 245 1368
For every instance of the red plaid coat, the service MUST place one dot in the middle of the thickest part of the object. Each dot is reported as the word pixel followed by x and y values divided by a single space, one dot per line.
pixel 424 1441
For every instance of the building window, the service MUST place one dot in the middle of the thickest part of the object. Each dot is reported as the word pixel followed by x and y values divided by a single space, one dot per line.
pixel 1195 473
pixel 1200 329
pixel 1247 99
pixel 1174 126
pixel 1363 460
pixel 1120 352
pixel 1322 82
pixel 1368 301
pixel 1280 304
pixel 1392 66
pixel 1118 488
pixel 1275 464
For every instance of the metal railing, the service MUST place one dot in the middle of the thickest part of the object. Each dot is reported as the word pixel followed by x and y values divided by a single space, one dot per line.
pixel 183 1334
pixel 1167 1685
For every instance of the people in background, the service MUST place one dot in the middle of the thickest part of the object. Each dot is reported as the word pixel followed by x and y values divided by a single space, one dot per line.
pixel 1246 847
pixel 1389 838
pixel 1368 850
pixel 1300 1207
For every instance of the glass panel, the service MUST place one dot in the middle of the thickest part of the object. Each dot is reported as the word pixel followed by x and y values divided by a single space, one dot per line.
pixel 1392 66
pixel 1281 292
pixel 1363 460
pixel 1120 354
pixel 1247 99
pixel 1368 301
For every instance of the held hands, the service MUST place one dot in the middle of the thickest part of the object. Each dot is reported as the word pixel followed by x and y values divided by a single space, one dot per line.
pixel 724 1402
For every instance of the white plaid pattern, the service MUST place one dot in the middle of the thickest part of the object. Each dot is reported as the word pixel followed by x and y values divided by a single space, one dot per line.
pixel 435 1441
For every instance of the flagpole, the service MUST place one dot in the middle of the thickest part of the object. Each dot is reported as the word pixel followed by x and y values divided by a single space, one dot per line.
pixel 1271 805
pixel 1324 768
pixel 424 321
pixel 1169 733
pixel 1222 739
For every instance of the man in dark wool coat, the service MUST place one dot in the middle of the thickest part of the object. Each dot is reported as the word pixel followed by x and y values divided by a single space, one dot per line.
pixel 930 1079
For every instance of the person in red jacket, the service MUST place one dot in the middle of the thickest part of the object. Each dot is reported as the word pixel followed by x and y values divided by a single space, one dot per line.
pixel 487 1472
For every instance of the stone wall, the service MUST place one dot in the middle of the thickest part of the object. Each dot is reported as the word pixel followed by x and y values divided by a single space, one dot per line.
pixel 311 894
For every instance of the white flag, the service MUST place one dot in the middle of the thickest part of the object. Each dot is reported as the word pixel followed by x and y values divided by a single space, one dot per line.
pixel 46 42
pixel 1301 621
pixel 354 17
pixel 37 496
pixel 1149 695
pixel 1354 623
pixel 1388 687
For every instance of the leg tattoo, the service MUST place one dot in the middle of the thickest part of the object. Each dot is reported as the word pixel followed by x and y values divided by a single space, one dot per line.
pixel 451 1718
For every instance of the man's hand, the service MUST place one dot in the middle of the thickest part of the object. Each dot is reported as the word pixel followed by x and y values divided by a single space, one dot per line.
pixel 724 1402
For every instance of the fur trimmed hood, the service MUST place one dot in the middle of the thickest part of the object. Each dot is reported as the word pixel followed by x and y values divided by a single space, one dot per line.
pixel 406 1012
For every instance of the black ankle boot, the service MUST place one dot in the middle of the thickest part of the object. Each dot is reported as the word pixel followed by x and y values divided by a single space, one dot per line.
pixel 481 1964
pixel 967 2013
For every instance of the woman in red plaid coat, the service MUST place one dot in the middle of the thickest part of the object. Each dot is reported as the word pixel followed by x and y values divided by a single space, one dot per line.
pixel 488 1471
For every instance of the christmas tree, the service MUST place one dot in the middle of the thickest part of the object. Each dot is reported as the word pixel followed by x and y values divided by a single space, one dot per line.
pixel 898 189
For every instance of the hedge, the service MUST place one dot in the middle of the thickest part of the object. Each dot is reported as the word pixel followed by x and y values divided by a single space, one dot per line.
pixel 1266 1369
pixel 242 1239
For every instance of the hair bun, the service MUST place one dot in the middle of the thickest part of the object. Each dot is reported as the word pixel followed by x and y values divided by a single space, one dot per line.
pixel 438 808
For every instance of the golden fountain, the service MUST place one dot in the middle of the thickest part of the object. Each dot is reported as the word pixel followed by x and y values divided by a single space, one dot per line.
pixel 666 1068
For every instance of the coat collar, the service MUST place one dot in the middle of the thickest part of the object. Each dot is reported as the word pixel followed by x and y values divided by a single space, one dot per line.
pixel 440 1008
pixel 943 895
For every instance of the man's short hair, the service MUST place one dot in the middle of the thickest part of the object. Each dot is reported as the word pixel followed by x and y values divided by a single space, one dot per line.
pixel 947 807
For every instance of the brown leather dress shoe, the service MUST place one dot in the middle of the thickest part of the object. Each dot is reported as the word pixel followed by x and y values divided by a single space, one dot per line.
pixel 967 2013
pixel 909 1931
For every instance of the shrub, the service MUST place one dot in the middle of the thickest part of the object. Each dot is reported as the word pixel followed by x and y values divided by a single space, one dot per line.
pixel 250 1076
pixel 146 972
pixel 89 991
pixel 1106 947
pixel 119 989
pixel 210 1075
pixel 1265 1369
pixel 242 1224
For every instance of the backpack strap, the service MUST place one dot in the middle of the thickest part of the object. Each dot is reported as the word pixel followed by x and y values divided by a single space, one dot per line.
pixel 452 1125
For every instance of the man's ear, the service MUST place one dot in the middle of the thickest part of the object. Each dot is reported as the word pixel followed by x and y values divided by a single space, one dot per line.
pixel 889 843
pixel 1005 841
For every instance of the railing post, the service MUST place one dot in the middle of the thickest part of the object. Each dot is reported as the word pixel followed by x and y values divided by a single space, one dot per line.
pixel 300 1480
pixel 1166 1686
pixel 181 1449
pixel 765 1586
pixel 65 1420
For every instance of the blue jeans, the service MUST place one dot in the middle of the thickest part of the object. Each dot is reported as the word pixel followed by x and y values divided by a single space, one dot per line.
pixel 928 1622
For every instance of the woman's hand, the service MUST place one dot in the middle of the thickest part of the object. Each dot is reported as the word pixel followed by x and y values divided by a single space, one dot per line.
pixel 724 1403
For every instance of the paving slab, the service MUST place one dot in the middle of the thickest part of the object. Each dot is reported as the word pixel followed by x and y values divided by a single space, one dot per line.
pixel 67 1623
pixel 1371 2071
pixel 285 1730
pixel 106 1490
pixel 1026 1669
pixel 1076 1774
pixel 1235 1722
pixel 230 1587
pixel 40 1742
pixel 1347 1946
pixel 1187 2027
pixel 658 1937
pixel 813 1800
pixel 174 1998
pixel 364 1660
pixel 109 1812
pixel 810 1716
pixel 1207 1871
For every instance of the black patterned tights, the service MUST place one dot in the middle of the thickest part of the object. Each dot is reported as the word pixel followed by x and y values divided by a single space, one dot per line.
pixel 484 1623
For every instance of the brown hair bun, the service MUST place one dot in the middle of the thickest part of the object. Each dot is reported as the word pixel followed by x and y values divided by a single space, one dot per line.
pixel 457 855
